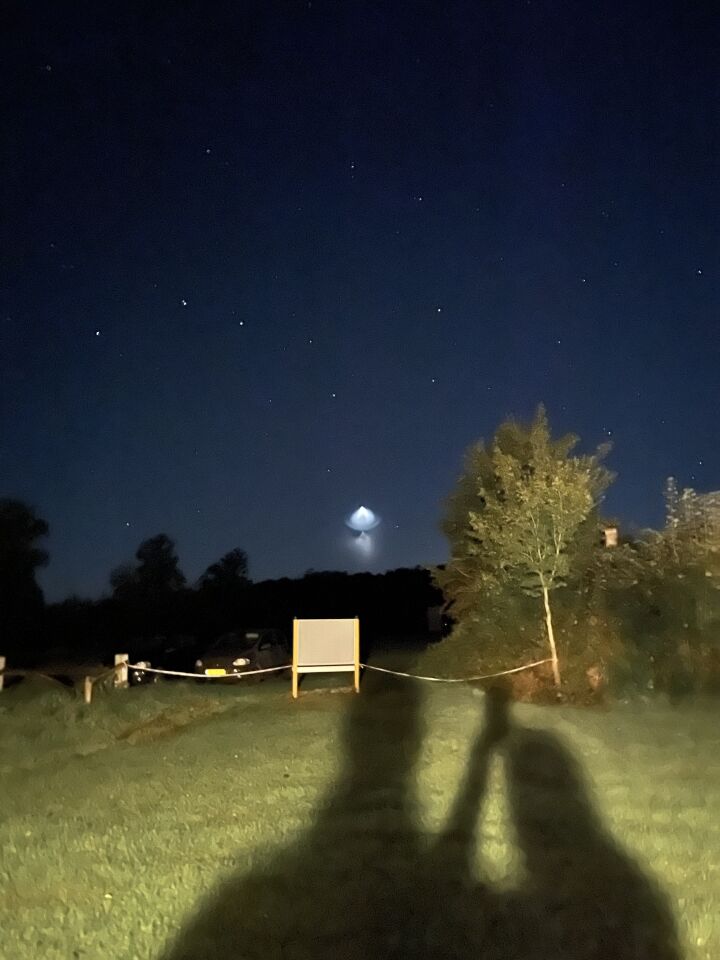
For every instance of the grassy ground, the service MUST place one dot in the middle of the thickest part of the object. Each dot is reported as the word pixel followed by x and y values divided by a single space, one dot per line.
pixel 186 822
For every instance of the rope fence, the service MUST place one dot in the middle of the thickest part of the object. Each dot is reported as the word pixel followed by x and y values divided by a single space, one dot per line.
pixel 486 676
pixel 119 670
pixel 203 676
pixel 365 666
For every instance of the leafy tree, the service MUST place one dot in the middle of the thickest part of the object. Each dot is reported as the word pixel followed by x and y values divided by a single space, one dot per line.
pixel 123 580
pixel 456 578
pixel 228 573
pixel 158 564
pixel 20 527
pixel 690 540
pixel 149 594
pixel 692 526
pixel 527 501
pixel 157 571
pixel 685 554
pixel 21 599
pixel 221 602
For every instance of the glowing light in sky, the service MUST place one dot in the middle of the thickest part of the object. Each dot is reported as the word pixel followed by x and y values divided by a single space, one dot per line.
pixel 362 520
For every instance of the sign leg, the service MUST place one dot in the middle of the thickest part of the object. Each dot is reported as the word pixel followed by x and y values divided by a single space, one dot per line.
pixel 356 632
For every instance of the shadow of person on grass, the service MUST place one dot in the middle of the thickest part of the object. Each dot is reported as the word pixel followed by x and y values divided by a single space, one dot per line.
pixel 343 889
pixel 583 896
pixel 365 882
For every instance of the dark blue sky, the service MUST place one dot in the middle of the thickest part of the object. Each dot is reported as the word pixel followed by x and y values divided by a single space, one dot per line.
pixel 263 262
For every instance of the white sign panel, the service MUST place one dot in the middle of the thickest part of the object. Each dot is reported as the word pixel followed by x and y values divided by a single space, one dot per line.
pixel 326 646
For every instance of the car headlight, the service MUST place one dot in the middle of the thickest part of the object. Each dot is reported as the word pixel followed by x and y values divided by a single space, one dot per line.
pixel 198 663
pixel 241 662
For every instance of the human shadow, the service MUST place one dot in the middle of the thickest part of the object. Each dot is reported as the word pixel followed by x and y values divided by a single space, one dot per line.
pixel 343 888
pixel 366 882
pixel 583 895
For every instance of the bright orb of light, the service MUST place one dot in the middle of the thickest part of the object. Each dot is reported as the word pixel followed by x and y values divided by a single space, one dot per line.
pixel 362 520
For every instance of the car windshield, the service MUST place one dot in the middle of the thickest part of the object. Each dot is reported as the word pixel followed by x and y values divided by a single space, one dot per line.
pixel 231 644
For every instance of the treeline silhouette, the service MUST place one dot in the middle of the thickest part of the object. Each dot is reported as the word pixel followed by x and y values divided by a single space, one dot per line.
pixel 151 599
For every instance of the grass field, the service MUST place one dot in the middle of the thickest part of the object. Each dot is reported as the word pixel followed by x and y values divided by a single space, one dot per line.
pixel 185 821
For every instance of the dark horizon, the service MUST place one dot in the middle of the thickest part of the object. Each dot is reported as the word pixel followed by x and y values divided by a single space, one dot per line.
pixel 263 264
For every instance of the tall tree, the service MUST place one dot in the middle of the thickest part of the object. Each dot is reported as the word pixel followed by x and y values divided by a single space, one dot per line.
pixel 156 573
pixel 149 595
pixel 517 515
pixel 469 496
pixel 692 524
pixel 687 550
pixel 222 602
pixel 228 573
pixel 21 598
pixel 158 563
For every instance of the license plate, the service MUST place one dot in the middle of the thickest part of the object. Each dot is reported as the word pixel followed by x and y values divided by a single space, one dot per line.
pixel 215 672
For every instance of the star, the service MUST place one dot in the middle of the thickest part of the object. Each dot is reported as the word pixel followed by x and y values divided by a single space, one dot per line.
pixel 183 303
pixel 97 333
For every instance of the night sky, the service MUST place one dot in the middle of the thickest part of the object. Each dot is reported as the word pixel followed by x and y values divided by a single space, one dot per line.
pixel 265 262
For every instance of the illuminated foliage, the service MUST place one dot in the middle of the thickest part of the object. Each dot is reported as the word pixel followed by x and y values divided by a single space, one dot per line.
pixel 517 516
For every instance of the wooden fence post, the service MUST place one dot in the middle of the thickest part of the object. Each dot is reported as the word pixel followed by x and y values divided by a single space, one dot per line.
pixel 2 668
pixel 121 670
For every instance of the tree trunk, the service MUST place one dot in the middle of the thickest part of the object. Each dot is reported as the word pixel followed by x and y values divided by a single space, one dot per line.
pixel 551 636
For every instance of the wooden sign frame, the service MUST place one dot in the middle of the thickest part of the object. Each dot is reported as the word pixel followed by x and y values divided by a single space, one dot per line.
pixel 302 663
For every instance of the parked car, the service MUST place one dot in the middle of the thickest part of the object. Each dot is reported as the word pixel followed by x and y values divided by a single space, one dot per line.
pixel 164 653
pixel 233 654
